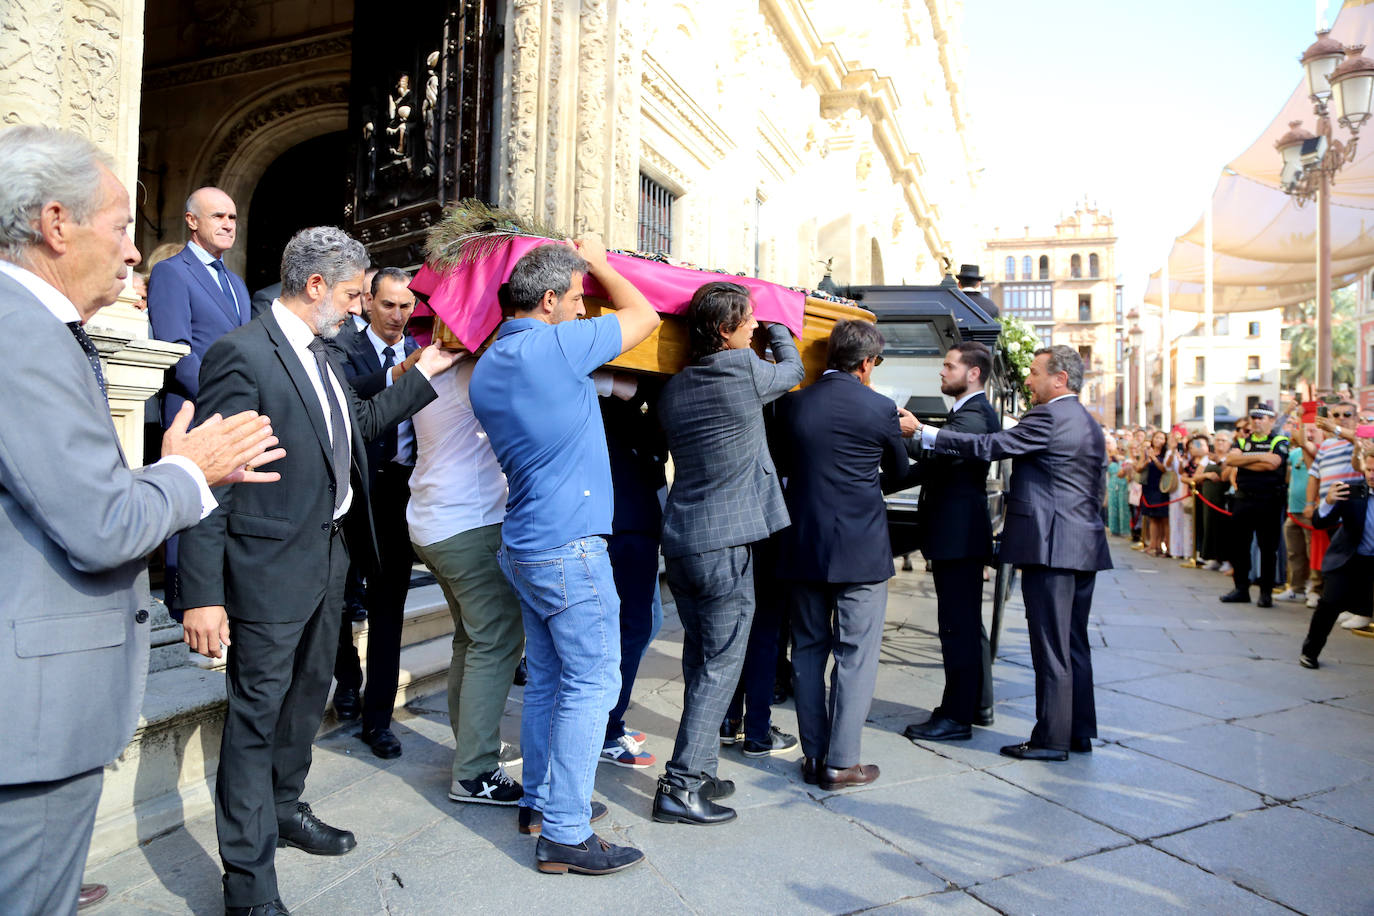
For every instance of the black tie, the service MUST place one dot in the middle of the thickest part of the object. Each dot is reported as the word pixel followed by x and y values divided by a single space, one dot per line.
pixel 389 439
pixel 226 286
pixel 92 354
pixel 339 435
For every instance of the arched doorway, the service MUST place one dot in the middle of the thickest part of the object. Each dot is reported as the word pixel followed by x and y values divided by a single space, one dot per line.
pixel 303 187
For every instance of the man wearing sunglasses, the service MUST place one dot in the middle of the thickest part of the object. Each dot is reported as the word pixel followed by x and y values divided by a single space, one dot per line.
pixel 1259 458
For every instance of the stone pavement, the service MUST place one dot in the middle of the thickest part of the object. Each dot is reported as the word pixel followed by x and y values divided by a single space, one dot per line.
pixel 1228 780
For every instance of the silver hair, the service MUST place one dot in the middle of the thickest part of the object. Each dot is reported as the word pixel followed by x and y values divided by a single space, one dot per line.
pixel 41 165
pixel 325 250
pixel 1065 359
pixel 548 267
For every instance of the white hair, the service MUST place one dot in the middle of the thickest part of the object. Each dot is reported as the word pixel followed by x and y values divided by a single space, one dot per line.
pixel 40 165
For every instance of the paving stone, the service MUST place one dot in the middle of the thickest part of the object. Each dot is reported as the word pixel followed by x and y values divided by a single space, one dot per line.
pixel 1363 702
pixel 1110 666
pixel 1342 731
pixel 1218 642
pixel 1233 624
pixel 1122 715
pixel 1286 855
pixel 1352 805
pixel 1209 696
pixel 1130 791
pixel 1277 767
pixel 972 826
pixel 1152 639
pixel 1014 721
pixel 1288 677
pixel 953 903
pixel 706 868
pixel 1137 879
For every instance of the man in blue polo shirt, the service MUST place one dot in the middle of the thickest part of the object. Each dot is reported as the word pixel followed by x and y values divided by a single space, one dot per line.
pixel 533 394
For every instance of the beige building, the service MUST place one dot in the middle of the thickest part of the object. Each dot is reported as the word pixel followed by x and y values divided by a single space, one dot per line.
pixel 1239 366
pixel 763 137
pixel 1064 285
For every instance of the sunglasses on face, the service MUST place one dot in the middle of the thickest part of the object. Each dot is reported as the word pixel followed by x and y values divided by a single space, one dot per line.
pixel 1346 415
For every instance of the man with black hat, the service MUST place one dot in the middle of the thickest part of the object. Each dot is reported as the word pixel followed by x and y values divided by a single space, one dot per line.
pixel 971 285
pixel 1260 458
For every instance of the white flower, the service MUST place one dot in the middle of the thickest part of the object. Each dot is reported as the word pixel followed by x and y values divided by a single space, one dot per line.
pixel 1025 371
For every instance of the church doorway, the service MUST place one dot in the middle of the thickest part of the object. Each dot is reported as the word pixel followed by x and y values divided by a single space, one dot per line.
pixel 303 187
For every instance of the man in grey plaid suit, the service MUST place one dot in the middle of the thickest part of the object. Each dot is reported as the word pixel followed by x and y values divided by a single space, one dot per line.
pixel 725 497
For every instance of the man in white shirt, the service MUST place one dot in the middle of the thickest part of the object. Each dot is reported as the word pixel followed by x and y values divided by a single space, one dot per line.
pixel 457 504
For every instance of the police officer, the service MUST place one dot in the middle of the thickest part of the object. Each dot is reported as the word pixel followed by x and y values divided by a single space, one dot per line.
pixel 1260 459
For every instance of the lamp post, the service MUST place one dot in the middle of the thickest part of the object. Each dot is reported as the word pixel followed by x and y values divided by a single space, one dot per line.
pixel 1311 161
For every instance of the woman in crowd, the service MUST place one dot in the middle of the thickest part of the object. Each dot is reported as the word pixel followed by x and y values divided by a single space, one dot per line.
pixel 1118 507
pixel 1180 536
pixel 1154 507
pixel 1213 484
pixel 1199 458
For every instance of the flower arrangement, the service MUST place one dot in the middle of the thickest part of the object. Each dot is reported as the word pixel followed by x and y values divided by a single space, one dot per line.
pixel 1019 343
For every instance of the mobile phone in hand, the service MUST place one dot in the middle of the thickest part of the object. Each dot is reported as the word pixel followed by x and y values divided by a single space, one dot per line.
pixel 1357 489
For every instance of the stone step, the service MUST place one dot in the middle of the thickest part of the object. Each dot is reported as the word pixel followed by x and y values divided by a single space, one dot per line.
pixel 166 775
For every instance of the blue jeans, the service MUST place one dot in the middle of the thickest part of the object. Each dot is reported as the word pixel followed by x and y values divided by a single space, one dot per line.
pixel 634 557
pixel 572 649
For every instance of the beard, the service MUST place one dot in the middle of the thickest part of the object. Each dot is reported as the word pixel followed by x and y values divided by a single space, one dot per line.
pixel 327 320
pixel 954 389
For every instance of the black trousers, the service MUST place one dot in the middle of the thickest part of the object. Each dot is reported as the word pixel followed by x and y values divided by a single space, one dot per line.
pixel 277 680
pixel 963 638
pixel 1349 588
pixel 385 601
pixel 1262 519
pixel 1057 605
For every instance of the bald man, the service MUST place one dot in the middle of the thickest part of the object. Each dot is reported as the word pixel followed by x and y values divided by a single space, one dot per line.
pixel 194 299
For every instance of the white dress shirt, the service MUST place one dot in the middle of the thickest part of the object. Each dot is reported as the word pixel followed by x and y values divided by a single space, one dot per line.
pixel 208 260
pixel 64 311
pixel 928 433
pixel 300 335
pixel 405 430
pixel 457 485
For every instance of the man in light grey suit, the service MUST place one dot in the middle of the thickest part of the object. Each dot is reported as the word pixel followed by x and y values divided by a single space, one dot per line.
pixel 75 521
pixel 725 496
pixel 1054 533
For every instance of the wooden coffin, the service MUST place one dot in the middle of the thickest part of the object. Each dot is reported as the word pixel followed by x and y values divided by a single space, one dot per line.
pixel 665 350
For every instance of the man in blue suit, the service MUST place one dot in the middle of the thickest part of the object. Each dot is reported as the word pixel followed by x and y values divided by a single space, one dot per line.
pixel 193 299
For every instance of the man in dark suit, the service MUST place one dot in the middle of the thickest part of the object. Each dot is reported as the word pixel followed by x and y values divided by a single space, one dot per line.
pixel 840 436
pixel 376 359
pixel 1347 566
pixel 76 522
pixel 725 496
pixel 971 285
pixel 264 573
pixel 956 538
pixel 1054 533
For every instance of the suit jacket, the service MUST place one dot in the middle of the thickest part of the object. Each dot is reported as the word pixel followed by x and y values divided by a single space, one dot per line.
pixel 839 434
pixel 1348 518
pixel 954 490
pixel 363 370
pixel 76 525
pixel 725 489
pixel 638 454
pixel 185 306
pixel 262 299
pixel 1054 510
pixel 264 553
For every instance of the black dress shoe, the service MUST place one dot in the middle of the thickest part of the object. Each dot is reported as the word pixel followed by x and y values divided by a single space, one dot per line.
pixel 1236 596
pixel 275 908
pixel 938 728
pixel 347 706
pixel 305 831
pixel 984 717
pixel 860 774
pixel 1266 598
pixel 714 788
pixel 1308 661
pixel 593 856
pixel 1081 745
pixel 676 805
pixel 1028 751
pixel 90 895
pixel 531 822
pixel 383 742
pixel 811 771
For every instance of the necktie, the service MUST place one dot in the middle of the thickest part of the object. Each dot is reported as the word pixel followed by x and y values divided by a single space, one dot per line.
pixel 338 432
pixel 92 354
pixel 226 286
pixel 389 438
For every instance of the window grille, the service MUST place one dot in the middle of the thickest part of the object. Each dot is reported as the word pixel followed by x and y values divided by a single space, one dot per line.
pixel 655 217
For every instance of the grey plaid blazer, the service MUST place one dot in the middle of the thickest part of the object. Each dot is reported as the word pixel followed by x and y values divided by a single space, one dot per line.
pixel 725 489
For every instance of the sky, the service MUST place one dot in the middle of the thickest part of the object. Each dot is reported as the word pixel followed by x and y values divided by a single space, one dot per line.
pixel 1137 106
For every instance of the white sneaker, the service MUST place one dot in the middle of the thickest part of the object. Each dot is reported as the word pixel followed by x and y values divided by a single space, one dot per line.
pixel 1354 623
pixel 1312 599
pixel 1225 569
pixel 1211 564
pixel 1287 595
pixel 1343 616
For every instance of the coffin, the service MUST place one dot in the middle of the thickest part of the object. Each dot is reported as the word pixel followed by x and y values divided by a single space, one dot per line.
pixel 665 351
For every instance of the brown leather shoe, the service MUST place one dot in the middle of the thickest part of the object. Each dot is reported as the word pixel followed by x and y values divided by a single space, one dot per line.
pixel 90 895
pixel 811 770
pixel 860 774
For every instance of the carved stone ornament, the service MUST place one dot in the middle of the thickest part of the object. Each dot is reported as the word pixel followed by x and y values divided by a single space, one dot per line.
pixel 294 52
pixel 262 116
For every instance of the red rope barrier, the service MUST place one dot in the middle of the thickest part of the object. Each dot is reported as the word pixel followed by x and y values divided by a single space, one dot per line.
pixel 1169 503
pixel 1297 520
pixel 1212 504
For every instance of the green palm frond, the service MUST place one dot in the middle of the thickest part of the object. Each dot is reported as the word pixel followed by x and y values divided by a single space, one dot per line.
pixel 471 230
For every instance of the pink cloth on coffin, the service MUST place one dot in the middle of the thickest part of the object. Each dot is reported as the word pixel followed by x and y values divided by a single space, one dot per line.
pixel 465 298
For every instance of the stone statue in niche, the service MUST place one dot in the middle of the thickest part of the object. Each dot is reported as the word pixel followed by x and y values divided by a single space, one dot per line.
pixel 428 112
pixel 399 142
pixel 369 159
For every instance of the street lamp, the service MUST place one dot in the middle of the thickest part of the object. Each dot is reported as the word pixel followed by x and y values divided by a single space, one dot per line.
pixel 1138 351
pixel 1311 161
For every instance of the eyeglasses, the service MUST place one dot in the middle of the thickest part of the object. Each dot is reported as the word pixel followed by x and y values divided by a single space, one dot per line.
pixel 877 361
pixel 1343 416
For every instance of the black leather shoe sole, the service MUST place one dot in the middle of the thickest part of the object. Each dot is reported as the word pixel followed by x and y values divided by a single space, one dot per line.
pixel 1235 598
pixel 1029 752
pixel 984 718
pixel 941 732
pixel 1265 601
pixel 342 846
pixel 1081 745
pixel 384 744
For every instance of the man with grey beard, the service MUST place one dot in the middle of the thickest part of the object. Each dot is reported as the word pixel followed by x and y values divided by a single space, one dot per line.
pixel 264 573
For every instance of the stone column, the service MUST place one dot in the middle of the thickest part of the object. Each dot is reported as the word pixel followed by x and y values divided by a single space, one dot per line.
pixel 570 139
